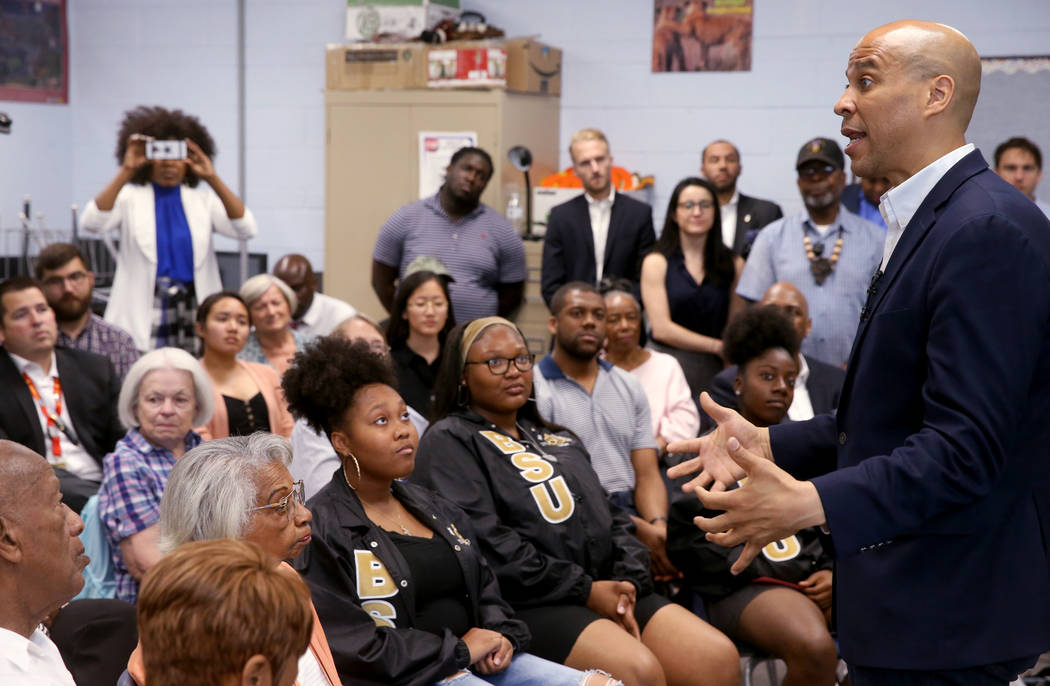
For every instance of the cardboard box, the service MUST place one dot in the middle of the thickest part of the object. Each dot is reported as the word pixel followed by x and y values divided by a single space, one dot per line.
pixel 532 66
pixel 467 64
pixel 376 66
pixel 401 19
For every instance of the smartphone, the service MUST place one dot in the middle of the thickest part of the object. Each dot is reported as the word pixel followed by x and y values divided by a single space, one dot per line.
pixel 165 150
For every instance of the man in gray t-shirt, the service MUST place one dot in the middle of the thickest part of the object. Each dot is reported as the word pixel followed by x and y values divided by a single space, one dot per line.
pixel 477 244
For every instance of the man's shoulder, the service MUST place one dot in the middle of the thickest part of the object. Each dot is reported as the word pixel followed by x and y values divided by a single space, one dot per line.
pixel 119 335
pixel 855 222
pixel 759 204
pixel 819 368
pixel 79 360
pixel 630 204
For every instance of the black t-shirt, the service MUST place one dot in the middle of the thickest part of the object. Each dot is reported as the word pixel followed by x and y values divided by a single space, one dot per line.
pixel 245 418
pixel 415 378
pixel 441 592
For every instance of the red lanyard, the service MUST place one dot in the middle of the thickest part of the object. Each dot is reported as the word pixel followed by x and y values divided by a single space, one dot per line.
pixel 53 420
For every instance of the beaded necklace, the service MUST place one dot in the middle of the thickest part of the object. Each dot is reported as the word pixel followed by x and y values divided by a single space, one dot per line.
pixel 821 267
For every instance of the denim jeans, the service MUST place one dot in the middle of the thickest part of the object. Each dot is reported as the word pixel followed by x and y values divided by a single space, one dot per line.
pixel 524 670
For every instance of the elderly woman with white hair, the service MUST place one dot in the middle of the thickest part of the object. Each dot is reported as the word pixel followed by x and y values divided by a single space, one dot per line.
pixel 272 341
pixel 165 394
pixel 240 488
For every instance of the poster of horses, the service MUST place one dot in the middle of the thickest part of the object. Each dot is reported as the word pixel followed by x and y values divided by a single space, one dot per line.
pixel 702 35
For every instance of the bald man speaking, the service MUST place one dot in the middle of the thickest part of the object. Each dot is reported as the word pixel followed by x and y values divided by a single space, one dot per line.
pixel 933 477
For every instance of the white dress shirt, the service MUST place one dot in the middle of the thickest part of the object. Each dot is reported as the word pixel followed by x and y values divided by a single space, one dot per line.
pixel 74 458
pixel 324 314
pixel 31 662
pixel 728 213
pixel 801 406
pixel 600 211
pixel 899 204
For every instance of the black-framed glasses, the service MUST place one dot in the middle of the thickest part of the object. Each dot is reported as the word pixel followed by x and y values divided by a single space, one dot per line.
pixel 689 205
pixel 815 170
pixel 284 505
pixel 500 365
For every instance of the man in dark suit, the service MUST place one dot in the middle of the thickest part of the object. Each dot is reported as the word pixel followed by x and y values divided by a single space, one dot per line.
pixel 817 385
pixel 933 476
pixel 598 222
pixel 58 402
pixel 742 216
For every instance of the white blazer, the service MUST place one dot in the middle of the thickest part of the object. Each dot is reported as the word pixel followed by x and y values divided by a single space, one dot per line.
pixel 134 216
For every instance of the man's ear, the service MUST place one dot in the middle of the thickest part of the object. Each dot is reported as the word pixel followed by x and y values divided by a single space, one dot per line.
pixel 257 672
pixel 941 94
pixel 552 325
pixel 10 541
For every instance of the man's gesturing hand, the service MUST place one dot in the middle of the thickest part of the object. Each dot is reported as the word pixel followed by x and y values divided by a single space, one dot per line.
pixel 717 469
pixel 771 505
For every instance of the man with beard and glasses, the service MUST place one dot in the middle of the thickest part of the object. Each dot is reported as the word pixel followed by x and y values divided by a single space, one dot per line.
pixel 827 252
pixel 742 216
pixel 479 247
pixel 608 410
pixel 68 282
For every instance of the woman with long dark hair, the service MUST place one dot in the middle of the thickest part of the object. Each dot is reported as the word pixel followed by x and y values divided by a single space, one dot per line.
pixel 419 321
pixel 689 282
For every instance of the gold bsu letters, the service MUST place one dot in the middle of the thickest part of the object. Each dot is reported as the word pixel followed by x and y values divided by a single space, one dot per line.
pixel 552 496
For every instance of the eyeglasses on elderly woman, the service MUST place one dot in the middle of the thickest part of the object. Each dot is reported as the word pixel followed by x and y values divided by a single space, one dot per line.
pixel 282 506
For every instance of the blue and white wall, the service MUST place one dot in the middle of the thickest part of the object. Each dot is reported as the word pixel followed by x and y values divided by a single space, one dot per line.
pixel 184 54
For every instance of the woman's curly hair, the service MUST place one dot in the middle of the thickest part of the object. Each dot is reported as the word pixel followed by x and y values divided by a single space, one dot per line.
pixel 164 124
pixel 325 377
pixel 756 330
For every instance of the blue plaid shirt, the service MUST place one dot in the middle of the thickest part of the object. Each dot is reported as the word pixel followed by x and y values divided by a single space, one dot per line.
pixel 102 338
pixel 133 479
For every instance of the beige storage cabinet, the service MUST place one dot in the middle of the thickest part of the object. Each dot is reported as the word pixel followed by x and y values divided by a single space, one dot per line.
pixel 372 160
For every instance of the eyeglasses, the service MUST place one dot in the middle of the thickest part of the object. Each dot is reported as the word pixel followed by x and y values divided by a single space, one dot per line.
pixel 816 170
pixel 75 279
pixel 283 505
pixel 421 304
pixel 501 365
pixel 689 205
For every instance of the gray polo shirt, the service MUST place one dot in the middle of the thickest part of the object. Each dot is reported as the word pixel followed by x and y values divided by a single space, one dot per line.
pixel 611 422
pixel 480 250
pixel 779 255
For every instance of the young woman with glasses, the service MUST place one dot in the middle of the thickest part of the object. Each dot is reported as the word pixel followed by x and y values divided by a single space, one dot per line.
pixel 567 560
pixel 419 322
pixel 689 283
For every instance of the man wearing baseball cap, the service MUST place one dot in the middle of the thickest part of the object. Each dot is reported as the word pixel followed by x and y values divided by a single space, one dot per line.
pixel 826 251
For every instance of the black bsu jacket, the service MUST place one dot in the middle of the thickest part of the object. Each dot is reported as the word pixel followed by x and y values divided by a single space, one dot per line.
pixel 364 594
pixel 543 520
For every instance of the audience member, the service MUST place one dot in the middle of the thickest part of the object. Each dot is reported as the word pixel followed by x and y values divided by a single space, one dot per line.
pixel 272 340
pixel 827 252
pixel 421 318
pixel 317 314
pixel 778 602
pixel 742 216
pixel 607 408
pixel 166 394
pixel 671 406
pixel 566 556
pixel 1020 162
pixel 59 402
pixel 688 283
pixel 218 612
pixel 399 536
pixel 484 255
pixel 239 488
pixel 863 198
pixel 166 262
pixel 247 395
pixel 315 458
pixel 65 273
pixel 817 385
pixel 600 233
pixel 932 476
pixel 41 560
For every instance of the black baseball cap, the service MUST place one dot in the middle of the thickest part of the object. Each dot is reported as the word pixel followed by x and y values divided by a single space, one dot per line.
pixel 822 150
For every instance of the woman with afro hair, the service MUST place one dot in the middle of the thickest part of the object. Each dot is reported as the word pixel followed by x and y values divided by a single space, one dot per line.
pixel 402 590
pixel 164 219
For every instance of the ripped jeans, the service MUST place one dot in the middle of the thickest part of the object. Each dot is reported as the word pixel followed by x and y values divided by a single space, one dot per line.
pixel 524 670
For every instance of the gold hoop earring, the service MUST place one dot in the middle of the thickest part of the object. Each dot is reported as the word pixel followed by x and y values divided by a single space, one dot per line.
pixel 357 466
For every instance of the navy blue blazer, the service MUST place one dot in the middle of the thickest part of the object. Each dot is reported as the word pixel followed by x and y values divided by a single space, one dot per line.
pixel 568 247
pixel 752 214
pixel 934 472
